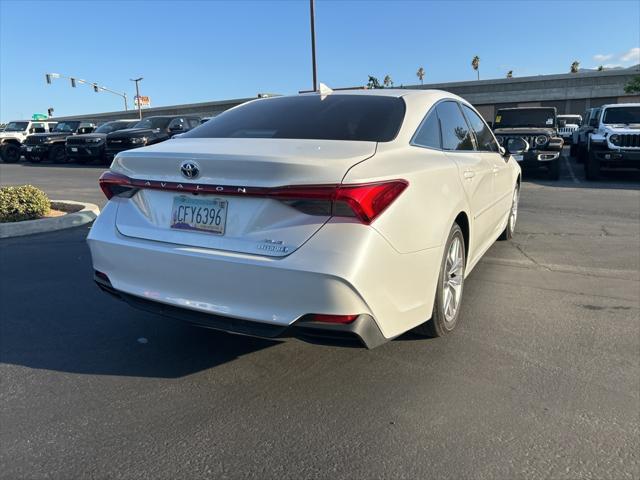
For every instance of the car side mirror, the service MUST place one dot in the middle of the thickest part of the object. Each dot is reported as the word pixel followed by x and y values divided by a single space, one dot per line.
pixel 176 128
pixel 516 146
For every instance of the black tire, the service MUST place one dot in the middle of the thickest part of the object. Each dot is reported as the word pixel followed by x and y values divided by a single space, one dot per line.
pixel 10 153
pixel 554 169
pixel 507 234
pixel 592 167
pixel 573 150
pixel 57 154
pixel 438 325
pixel 580 154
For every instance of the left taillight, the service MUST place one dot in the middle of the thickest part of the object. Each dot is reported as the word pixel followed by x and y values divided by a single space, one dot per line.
pixel 113 184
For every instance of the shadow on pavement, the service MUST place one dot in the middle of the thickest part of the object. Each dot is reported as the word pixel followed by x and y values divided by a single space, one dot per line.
pixel 572 176
pixel 53 317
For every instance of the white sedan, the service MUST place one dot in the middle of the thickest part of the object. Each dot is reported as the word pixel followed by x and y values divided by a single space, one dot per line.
pixel 353 214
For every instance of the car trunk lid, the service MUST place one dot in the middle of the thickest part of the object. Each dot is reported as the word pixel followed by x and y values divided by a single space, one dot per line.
pixel 232 173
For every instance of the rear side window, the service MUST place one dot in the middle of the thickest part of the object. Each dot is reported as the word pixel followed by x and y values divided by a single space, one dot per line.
pixel 369 118
pixel 486 142
pixel 428 135
pixel 455 131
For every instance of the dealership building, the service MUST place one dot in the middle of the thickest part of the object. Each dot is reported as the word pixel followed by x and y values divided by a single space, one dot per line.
pixel 569 93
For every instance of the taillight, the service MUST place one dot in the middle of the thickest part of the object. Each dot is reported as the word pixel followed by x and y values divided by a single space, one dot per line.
pixel 364 202
pixel 113 184
pixel 343 319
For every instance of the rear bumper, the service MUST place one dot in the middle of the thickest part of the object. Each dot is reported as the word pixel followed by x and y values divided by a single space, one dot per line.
pixel 363 329
pixel 344 269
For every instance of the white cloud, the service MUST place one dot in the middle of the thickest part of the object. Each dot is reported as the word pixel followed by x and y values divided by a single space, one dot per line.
pixel 633 55
pixel 600 57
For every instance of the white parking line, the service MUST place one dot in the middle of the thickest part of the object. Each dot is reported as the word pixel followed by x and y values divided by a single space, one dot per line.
pixel 573 175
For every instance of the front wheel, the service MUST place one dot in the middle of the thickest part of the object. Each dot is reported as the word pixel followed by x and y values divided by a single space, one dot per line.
pixel 446 307
pixel 554 169
pixel 10 153
pixel 592 166
pixel 57 154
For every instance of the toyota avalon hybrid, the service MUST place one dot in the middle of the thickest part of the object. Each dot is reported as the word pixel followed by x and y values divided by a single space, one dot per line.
pixel 353 214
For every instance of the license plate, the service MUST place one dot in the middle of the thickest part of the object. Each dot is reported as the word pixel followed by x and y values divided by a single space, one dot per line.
pixel 199 214
pixel 518 158
pixel 74 149
pixel 29 149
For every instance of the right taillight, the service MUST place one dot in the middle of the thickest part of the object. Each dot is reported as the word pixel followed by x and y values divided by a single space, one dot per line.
pixel 363 201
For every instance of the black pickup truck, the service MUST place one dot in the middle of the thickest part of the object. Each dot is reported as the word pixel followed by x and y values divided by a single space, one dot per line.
pixel 90 146
pixel 50 146
pixel 539 127
pixel 148 131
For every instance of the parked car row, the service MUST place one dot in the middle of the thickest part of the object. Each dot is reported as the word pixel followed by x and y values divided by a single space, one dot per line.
pixel 608 138
pixel 82 142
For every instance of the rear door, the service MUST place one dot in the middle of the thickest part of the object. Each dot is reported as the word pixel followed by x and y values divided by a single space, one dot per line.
pixel 502 179
pixel 476 172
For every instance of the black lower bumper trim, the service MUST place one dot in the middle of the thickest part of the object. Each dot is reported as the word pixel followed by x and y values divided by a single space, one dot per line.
pixel 363 329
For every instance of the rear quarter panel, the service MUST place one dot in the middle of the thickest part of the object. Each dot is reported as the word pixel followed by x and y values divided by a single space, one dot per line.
pixel 421 217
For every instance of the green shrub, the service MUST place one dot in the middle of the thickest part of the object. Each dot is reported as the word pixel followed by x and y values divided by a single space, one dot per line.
pixel 25 202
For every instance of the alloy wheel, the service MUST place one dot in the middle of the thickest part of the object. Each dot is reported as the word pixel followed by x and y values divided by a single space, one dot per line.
pixel 453 279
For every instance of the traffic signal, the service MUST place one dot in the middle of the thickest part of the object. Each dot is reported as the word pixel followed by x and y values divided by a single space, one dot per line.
pixel 95 88
pixel 73 82
pixel 48 77
pixel 50 111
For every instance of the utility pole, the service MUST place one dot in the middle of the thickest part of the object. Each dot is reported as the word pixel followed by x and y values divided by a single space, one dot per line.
pixel 138 95
pixel 313 44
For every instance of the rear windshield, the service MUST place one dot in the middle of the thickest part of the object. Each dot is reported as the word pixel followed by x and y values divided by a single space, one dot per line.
pixel 525 117
pixel 621 115
pixel 332 117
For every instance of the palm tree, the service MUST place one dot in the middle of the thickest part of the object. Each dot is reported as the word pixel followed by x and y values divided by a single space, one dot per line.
pixel 387 82
pixel 373 82
pixel 575 66
pixel 510 74
pixel 475 63
pixel 420 74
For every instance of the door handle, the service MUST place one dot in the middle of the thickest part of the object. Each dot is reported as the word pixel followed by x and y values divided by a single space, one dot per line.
pixel 469 174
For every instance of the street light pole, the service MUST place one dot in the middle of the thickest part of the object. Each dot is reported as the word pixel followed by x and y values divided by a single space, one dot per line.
pixel 96 88
pixel 313 44
pixel 138 95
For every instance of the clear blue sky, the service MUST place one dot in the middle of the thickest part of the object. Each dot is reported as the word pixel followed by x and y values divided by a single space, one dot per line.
pixel 213 50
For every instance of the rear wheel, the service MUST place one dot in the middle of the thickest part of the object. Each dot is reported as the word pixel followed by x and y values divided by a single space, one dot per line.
pixel 592 166
pixel 446 307
pixel 57 154
pixel 10 153
pixel 507 234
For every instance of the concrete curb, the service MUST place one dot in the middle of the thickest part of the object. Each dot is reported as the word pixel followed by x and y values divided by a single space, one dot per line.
pixel 86 214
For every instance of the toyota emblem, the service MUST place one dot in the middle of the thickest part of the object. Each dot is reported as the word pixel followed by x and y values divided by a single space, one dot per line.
pixel 190 169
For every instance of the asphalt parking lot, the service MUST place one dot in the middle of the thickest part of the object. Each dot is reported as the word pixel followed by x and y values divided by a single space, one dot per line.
pixel 542 379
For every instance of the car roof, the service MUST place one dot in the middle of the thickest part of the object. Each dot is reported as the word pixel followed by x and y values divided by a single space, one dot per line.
pixel 612 105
